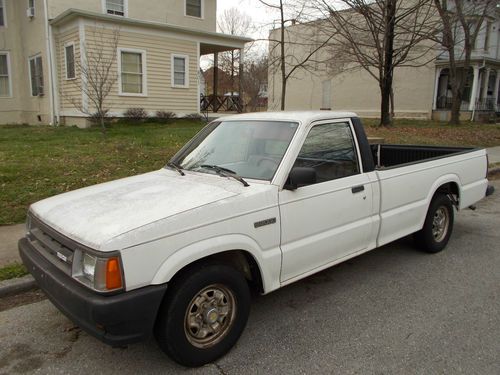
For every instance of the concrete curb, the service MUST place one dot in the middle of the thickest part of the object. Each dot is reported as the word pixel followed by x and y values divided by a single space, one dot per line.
pixel 17 286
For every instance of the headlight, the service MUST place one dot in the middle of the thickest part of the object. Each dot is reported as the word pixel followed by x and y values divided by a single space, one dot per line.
pixel 102 274
pixel 89 263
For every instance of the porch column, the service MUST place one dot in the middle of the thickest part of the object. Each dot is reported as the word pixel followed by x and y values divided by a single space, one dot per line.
pixel 216 72
pixel 495 90
pixel 240 73
pixel 216 80
pixel 475 84
pixel 484 93
pixel 436 87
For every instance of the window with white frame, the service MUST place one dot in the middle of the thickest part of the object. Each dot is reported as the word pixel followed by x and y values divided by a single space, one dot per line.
pixel 36 75
pixel 2 14
pixel 4 75
pixel 180 71
pixel 31 7
pixel 132 79
pixel 69 58
pixel 194 8
pixel 116 7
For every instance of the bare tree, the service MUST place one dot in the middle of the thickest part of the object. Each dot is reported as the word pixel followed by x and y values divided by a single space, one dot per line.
pixel 254 80
pixel 233 22
pixel 461 23
pixel 379 36
pixel 98 73
pixel 287 60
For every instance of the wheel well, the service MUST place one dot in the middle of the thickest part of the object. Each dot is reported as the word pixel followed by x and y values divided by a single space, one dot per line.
pixel 240 260
pixel 450 189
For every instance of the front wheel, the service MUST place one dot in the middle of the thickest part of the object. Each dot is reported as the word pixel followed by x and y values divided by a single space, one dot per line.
pixel 203 315
pixel 438 226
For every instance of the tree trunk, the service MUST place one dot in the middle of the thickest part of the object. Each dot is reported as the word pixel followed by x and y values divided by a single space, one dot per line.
pixel 387 75
pixel 283 66
pixel 283 94
pixel 456 103
pixel 392 102
pixel 385 114
pixel 102 115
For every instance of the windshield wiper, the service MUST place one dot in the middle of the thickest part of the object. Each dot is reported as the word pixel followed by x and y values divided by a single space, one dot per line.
pixel 225 172
pixel 176 167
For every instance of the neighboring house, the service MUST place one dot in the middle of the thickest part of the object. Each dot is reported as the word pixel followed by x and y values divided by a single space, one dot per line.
pixel 158 55
pixel 223 81
pixel 482 81
pixel 420 91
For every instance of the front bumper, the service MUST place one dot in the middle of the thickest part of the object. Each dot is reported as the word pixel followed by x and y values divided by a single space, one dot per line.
pixel 116 320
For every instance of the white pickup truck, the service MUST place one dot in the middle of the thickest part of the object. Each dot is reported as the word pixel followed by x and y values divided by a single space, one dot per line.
pixel 252 201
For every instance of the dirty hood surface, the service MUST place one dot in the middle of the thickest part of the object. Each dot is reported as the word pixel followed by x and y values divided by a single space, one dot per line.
pixel 96 214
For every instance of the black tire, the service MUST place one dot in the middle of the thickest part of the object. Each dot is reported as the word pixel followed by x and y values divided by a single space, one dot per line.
pixel 427 239
pixel 173 333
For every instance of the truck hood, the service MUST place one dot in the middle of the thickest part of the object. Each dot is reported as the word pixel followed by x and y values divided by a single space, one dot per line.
pixel 96 214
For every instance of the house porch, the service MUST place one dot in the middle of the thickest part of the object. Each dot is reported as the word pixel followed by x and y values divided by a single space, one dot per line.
pixel 481 95
pixel 217 101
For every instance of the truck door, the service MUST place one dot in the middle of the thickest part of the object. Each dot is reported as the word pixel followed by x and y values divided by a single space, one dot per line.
pixel 330 219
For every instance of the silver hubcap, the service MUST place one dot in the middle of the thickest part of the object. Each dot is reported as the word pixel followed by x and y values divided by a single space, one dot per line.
pixel 209 316
pixel 440 224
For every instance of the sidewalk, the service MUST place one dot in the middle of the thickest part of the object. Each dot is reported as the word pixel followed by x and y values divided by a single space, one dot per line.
pixel 494 154
pixel 9 235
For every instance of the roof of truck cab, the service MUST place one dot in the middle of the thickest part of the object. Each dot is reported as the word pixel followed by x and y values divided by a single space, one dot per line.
pixel 300 116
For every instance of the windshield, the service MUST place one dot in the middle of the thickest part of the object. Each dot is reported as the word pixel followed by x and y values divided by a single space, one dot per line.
pixel 252 149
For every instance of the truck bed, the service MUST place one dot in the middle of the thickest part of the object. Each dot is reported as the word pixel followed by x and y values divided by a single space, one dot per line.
pixel 391 155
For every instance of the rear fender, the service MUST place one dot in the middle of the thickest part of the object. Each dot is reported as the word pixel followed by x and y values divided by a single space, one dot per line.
pixel 443 180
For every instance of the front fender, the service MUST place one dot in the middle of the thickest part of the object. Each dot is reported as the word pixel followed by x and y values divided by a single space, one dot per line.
pixel 268 261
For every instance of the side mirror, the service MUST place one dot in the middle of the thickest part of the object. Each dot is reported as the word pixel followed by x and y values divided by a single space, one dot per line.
pixel 300 176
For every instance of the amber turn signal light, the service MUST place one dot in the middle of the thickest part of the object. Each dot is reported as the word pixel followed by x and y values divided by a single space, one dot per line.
pixel 113 274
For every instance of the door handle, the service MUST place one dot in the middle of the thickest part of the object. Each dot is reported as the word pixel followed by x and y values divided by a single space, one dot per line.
pixel 358 189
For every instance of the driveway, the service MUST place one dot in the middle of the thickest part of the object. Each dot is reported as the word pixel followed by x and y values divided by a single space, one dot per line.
pixel 394 310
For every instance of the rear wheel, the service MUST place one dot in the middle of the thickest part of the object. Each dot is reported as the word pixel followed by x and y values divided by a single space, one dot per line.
pixel 203 315
pixel 438 225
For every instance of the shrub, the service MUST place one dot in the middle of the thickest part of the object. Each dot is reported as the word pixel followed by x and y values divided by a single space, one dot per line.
pixel 136 114
pixel 95 119
pixel 194 116
pixel 163 116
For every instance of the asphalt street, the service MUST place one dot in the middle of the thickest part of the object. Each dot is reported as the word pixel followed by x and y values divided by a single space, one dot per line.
pixel 394 310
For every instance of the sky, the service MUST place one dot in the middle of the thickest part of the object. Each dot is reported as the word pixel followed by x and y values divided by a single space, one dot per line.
pixel 261 16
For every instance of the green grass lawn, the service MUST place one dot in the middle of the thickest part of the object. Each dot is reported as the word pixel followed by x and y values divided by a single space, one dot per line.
pixel 38 162
pixel 12 271
pixel 420 132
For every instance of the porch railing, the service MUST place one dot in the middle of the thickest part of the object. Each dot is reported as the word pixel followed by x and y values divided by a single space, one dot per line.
pixel 216 103
pixel 486 104
pixel 445 102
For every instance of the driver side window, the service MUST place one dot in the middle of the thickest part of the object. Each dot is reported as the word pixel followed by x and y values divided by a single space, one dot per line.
pixel 330 150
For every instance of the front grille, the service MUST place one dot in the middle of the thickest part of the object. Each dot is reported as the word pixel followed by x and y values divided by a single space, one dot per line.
pixel 55 247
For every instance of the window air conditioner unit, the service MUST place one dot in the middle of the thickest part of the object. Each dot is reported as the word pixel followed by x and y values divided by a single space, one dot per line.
pixel 30 12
